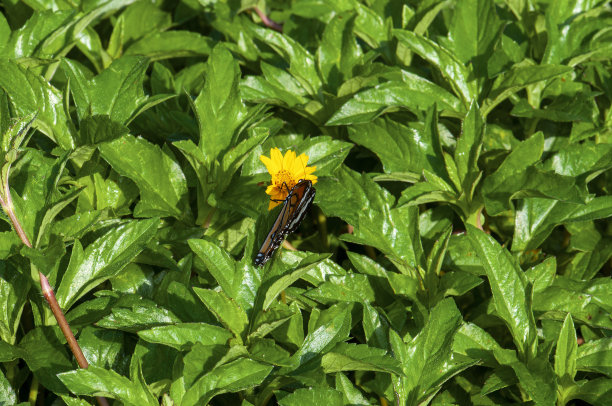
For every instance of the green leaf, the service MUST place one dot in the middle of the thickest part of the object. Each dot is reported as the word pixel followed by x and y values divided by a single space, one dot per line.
pixel 36 177
pixel 219 263
pixel 162 184
pixel 596 391
pixel 542 275
pixel 268 321
pixel 218 107
pixel 14 288
pixel 319 273
pixel 183 302
pixel 46 356
pixel 511 294
pixel 474 32
pixel 469 145
pixel 585 160
pixel 339 51
pixel 116 92
pixel 332 327
pixel 414 93
pixel 516 178
pixel 138 314
pixel 375 327
pixel 517 78
pixel 536 218
pixel 287 280
pixel 142 18
pixel 403 285
pixel 184 335
pixel 313 396
pixel 451 68
pixel 239 281
pixel 401 149
pixel 595 356
pixel 536 376
pixel 381 230
pixel 326 153
pixel 171 44
pixel 585 300
pixel 301 62
pixel 28 41
pixel 227 311
pixel 434 262
pixel 7 393
pixel 458 283
pixel 32 93
pixel 346 194
pixel 346 288
pixel 476 343
pixel 353 357
pixel 350 394
pixel 105 348
pixel 103 259
pixel 426 360
pixel 563 109
pixel 5 31
pixel 566 353
pixel 10 352
pixel 100 128
pixel 95 381
pixel 265 350
pixel 231 377
pixel 53 209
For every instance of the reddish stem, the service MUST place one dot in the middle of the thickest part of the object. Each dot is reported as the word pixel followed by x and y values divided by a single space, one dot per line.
pixel 61 321
pixel 47 291
pixel 267 22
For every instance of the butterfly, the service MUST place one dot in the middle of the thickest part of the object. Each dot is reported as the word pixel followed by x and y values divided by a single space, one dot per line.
pixel 291 215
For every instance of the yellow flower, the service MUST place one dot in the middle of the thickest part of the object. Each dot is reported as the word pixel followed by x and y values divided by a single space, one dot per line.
pixel 286 171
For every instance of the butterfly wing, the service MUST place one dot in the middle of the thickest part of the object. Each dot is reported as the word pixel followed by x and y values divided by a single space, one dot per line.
pixel 306 193
pixel 294 209
pixel 274 238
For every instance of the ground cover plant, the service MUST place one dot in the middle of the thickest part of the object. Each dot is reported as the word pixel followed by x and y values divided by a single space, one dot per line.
pixel 457 250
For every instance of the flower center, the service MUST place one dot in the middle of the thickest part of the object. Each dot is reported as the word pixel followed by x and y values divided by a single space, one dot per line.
pixel 284 177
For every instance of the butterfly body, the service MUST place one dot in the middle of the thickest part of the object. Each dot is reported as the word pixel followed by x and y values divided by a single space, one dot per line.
pixel 291 215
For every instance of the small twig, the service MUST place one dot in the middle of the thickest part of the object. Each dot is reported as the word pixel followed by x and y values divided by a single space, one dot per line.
pixel 267 22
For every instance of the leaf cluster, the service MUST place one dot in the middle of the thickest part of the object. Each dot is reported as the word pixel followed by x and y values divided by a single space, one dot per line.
pixel 458 250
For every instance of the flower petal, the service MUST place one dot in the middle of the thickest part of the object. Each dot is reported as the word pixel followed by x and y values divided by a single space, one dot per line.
pixel 288 160
pixel 312 178
pixel 270 164
pixel 271 189
pixel 299 164
pixel 310 169
pixel 272 204
pixel 277 157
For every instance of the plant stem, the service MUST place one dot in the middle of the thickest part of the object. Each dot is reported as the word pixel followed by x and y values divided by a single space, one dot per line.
pixel 33 394
pixel 48 294
pixel 267 21
pixel 322 223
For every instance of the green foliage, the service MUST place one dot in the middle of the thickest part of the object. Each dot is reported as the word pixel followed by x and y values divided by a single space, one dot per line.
pixel 457 252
